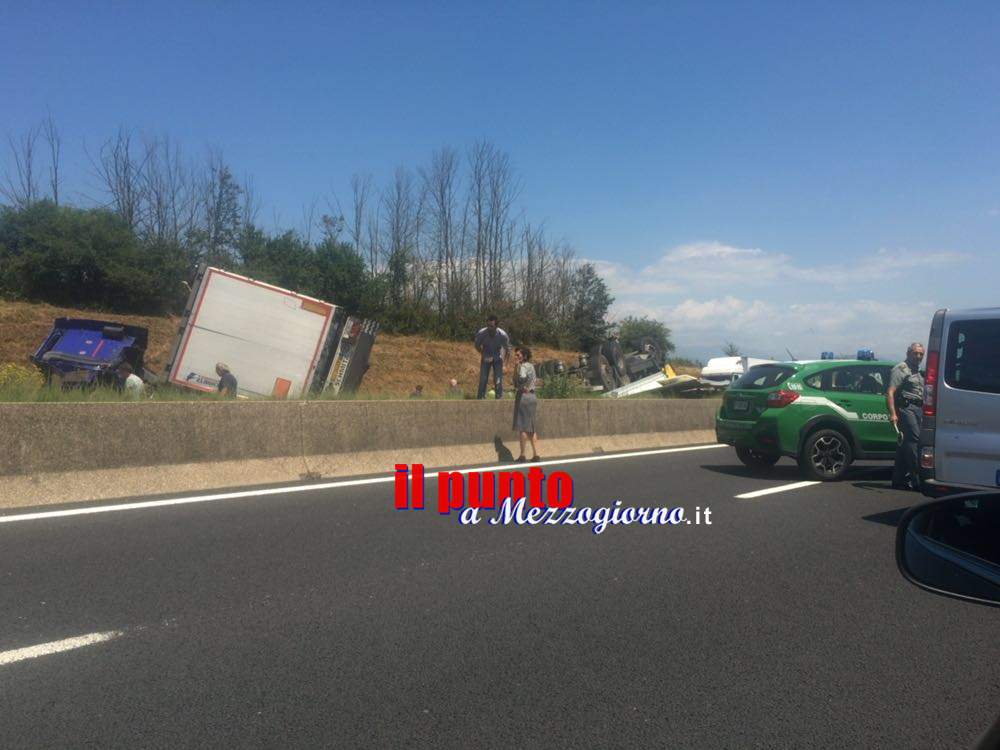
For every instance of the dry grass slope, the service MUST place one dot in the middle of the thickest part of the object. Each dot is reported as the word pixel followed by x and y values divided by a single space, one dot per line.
pixel 398 363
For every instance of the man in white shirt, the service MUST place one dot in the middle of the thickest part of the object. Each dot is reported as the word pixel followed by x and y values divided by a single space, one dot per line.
pixel 132 385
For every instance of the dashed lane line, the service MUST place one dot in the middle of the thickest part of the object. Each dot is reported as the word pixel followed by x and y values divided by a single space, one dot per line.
pixel 773 490
pixel 55 647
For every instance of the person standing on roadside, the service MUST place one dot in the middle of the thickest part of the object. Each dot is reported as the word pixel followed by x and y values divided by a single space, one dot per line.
pixel 493 345
pixel 905 399
pixel 227 381
pixel 525 402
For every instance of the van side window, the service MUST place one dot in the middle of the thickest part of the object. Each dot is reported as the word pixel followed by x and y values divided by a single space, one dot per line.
pixel 972 362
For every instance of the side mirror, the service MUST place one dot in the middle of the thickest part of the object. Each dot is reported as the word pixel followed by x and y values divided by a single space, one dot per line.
pixel 952 547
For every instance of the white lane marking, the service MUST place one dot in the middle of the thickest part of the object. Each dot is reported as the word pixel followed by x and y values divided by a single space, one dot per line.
pixel 326 485
pixel 772 490
pixel 67 644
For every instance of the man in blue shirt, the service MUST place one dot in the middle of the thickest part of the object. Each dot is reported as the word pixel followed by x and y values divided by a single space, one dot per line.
pixel 493 346
pixel 228 386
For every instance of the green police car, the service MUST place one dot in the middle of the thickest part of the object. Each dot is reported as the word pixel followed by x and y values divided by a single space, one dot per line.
pixel 823 413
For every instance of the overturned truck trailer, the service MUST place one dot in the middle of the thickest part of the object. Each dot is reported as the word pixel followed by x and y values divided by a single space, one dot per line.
pixel 276 342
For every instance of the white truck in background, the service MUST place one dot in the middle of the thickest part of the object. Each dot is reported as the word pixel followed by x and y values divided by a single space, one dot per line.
pixel 277 343
pixel 721 372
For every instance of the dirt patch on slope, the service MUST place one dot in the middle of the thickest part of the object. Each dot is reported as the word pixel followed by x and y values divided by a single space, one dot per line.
pixel 398 363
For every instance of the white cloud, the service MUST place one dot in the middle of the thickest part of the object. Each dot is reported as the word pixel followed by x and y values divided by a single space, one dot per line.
pixel 710 293
pixel 702 326
pixel 883 265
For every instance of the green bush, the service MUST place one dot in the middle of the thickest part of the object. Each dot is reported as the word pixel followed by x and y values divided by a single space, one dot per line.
pixel 633 330
pixel 84 258
pixel 563 386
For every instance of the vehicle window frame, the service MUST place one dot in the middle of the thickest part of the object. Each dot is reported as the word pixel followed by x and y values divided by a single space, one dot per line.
pixel 880 370
pixel 950 366
pixel 823 380
pixel 788 370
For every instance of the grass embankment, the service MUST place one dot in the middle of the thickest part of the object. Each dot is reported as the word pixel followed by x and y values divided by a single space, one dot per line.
pixel 398 363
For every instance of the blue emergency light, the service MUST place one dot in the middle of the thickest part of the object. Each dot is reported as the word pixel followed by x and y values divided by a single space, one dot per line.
pixel 866 354
pixel 826 355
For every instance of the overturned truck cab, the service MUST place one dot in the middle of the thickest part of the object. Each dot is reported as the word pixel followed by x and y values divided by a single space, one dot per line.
pixel 84 352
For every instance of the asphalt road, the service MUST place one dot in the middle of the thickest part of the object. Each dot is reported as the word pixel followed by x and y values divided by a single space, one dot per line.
pixel 327 618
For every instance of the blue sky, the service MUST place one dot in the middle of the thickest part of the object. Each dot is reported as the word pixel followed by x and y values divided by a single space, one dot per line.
pixel 816 176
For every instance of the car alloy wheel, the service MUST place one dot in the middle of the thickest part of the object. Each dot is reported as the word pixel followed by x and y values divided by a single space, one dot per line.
pixel 829 455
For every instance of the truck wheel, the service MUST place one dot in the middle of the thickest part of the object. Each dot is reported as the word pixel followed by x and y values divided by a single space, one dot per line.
pixel 616 358
pixel 756 459
pixel 825 455
pixel 600 372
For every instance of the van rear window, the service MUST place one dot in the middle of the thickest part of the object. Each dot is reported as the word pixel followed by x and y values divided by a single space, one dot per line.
pixel 972 361
pixel 764 376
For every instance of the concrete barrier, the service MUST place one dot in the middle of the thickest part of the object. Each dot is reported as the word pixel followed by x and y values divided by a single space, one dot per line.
pixel 81 451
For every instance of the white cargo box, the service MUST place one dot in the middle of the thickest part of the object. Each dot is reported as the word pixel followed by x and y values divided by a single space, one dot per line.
pixel 272 339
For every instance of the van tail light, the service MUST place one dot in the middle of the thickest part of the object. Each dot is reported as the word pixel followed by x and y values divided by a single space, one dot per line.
pixel 927 457
pixel 931 384
pixel 777 399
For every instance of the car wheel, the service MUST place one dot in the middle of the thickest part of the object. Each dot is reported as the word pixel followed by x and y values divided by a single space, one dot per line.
pixel 756 459
pixel 826 455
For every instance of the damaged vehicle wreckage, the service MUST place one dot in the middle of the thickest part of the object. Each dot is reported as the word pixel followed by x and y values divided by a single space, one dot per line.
pixel 279 343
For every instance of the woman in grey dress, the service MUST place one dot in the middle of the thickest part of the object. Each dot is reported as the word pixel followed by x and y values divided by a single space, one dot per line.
pixel 525 402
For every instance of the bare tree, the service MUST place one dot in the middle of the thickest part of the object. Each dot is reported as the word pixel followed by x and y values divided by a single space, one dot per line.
pixel 309 219
pixel 20 186
pixel 250 204
pixel 441 184
pixel 121 176
pixel 401 228
pixel 169 193
pixel 362 188
pixel 220 215
pixel 373 228
pixel 52 138
pixel 493 189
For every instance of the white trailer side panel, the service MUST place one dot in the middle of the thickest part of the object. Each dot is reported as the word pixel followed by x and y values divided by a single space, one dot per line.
pixel 270 338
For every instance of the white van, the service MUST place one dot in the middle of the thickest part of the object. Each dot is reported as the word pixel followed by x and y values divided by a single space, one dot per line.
pixel 960 435
pixel 722 372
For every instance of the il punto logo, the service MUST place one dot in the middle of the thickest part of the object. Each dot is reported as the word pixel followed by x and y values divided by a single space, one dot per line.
pixel 531 499
pixel 483 489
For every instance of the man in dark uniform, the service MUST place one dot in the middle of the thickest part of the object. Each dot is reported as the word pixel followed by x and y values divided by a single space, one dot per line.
pixel 906 399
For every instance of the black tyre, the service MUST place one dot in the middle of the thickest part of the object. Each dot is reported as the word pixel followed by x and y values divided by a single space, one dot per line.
pixel 756 459
pixel 601 372
pixel 548 368
pixel 826 455
pixel 612 351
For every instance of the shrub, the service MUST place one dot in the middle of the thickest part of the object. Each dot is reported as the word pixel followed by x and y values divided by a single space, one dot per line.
pixel 563 386
pixel 19 380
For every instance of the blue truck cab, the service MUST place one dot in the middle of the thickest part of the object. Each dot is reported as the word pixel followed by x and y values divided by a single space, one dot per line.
pixel 84 352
